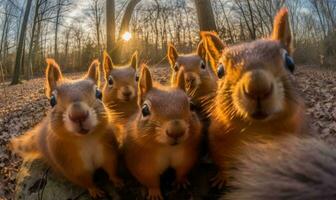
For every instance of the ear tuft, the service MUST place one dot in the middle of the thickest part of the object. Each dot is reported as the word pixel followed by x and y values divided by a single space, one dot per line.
pixel 145 83
pixel 134 60
pixel 172 54
pixel 281 29
pixel 53 76
pixel 107 65
pixel 201 51
pixel 213 44
pixel 93 72
pixel 180 80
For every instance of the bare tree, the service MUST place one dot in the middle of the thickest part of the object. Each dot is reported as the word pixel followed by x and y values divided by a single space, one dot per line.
pixel 110 24
pixel 205 15
pixel 96 14
pixel 20 47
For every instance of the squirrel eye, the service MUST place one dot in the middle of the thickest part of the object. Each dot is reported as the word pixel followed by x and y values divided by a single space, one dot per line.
pixel 290 65
pixel 203 65
pixel 220 71
pixel 53 101
pixel 145 110
pixel 192 106
pixel 176 67
pixel 99 94
pixel 136 77
pixel 110 80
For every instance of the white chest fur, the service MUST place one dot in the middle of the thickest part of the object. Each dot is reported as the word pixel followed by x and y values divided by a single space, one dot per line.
pixel 91 153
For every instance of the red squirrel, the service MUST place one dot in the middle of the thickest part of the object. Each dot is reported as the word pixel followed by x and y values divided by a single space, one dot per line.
pixel 164 133
pixel 256 95
pixel 76 137
pixel 199 76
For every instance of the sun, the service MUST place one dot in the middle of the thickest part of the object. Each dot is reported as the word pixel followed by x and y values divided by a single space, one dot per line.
pixel 126 36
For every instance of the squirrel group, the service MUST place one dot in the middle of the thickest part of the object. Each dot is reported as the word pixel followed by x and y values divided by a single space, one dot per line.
pixel 247 91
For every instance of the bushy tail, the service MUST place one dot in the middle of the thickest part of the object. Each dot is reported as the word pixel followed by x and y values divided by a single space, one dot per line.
pixel 26 145
pixel 297 169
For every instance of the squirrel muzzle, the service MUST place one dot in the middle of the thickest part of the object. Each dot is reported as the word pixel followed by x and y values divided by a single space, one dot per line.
pixel 80 118
pixel 176 130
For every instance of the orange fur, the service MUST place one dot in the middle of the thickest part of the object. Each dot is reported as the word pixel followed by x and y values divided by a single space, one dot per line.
pixel 199 76
pixel 75 155
pixel 255 81
pixel 281 29
pixel 167 137
pixel 120 96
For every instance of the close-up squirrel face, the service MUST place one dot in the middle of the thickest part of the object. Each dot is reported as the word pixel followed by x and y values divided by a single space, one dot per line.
pixel 121 81
pixel 195 66
pixel 166 114
pixel 77 106
pixel 256 78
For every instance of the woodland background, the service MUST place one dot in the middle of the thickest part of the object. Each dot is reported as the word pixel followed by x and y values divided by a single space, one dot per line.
pixel 75 32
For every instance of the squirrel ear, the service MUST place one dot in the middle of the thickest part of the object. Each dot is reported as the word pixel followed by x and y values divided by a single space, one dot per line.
pixel 180 80
pixel 281 29
pixel 93 72
pixel 213 44
pixel 134 60
pixel 145 83
pixel 107 65
pixel 201 50
pixel 53 75
pixel 172 54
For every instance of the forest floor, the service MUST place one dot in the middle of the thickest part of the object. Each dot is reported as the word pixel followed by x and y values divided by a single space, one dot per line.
pixel 22 106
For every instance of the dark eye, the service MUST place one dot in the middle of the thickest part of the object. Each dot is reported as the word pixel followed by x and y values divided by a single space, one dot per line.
pixel 176 67
pixel 220 71
pixel 53 101
pixel 136 77
pixel 99 94
pixel 290 65
pixel 192 106
pixel 203 65
pixel 110 80
pixel 145 110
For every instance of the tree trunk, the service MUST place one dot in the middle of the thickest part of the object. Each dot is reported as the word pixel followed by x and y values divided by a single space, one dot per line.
pixel 30 61
pixel 124 27
pixel 20 50
pixel 110 25
pixel 205 15
pixel 3 34
pixel 59 7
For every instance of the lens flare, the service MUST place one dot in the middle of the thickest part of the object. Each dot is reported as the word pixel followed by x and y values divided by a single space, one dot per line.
pixel 126 36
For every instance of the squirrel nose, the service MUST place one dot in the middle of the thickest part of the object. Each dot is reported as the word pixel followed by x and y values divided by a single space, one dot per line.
pixel 191 79
pixel 77 113
pixel 175 130
pixel 126 93
pixel 257 85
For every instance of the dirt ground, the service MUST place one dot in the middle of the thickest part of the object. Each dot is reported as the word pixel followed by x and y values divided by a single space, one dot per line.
pixel 24 105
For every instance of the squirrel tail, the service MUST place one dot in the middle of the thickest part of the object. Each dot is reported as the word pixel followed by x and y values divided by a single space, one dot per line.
pixel 25 145
pixel 298 168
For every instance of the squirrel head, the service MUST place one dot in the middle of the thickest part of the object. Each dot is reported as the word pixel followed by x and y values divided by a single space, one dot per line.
pixel 120 81
pixel 195 66
pixel 255 77
pixel 77 108
pixel 165 114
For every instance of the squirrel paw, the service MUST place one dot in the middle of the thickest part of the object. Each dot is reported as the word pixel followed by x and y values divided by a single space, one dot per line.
pixel 182 184
pixel 218 181
pixel 154 194
pixel 96 192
